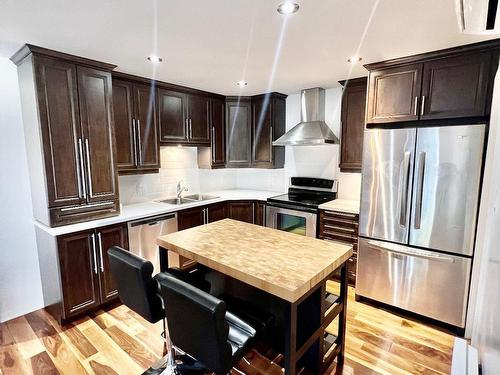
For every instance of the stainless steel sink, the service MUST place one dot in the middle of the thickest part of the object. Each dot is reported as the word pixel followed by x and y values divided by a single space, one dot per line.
pixel 201 197
pixel 177 201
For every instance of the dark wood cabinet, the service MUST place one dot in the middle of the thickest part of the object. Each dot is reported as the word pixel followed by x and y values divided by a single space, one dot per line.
pixel 455 87
pixel 190 218
pixel 218 134
pixel 78 273
pixel 352 124
pixel 199 119
pixel 137 141
pixel 341 227
pixel 114 235
pixel 455 83
pixel 172 116
pixel 67 102
pixel 238 132
pixel 260 213
pixel 57 94
pixel 393 94
pixel 242 211
pixel 217 211
pixel 85 278
pixel 96 117
pixel 268 124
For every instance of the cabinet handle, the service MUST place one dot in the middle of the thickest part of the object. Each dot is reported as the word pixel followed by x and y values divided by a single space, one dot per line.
pixel 100 251
pixel 422 108
pixel 213 144
pixel 139 148
pixel 89 177
pixel 82 167
pixel 271 141
pixel 334 227
pixel 253 213
pixel 416 106
pixel 206 215
pixel 79 171
pixel 186 123
pixel 94 251
pixel 134 136
pixel 190 129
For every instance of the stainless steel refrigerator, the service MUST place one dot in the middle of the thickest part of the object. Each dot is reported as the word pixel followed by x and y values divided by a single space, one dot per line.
pixel 419 205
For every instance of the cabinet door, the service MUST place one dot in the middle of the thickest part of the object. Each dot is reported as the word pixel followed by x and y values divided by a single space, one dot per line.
pixel 172 112
pixel 148 146
pixel 238 133
pixel 353 125
pixel 217 212
pixel 199 111
pixel 190 218
pixel 262 131
pixel 278 129
pixel 78 271
pixel 260 213
pixel 96 115
pixel 116 235
pixel 123 110
pixel 218 135
pixel 242 211
pixel 455 87
pixel 56 85
pixel 393 94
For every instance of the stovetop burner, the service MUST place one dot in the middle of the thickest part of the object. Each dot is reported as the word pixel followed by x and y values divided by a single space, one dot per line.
pixel 307 192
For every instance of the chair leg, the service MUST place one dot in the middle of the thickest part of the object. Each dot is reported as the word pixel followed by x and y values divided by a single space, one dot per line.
pixel 162 362
pixel 171 367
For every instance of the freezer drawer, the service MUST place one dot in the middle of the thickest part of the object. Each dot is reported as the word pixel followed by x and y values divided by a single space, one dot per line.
pixel 424 282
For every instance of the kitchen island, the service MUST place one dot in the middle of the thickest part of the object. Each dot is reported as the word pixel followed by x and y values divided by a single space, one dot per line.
pixel 281 272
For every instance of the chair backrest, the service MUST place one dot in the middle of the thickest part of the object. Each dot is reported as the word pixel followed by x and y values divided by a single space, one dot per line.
pixel 196 323
pixel 136 287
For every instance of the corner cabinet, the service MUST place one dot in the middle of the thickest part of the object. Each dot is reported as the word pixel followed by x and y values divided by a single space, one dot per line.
pixel 84 281
pixel 352 124
pixel 68 124
pixel 450 84
pixel 137 142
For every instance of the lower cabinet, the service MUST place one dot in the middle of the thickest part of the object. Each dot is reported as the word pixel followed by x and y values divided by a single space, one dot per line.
pixel 85 279
pixel 260 214
pixel 341 227
pixel 242 211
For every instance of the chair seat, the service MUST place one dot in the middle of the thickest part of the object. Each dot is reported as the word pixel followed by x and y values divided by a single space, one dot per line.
pixel 240 336
pixel 260 320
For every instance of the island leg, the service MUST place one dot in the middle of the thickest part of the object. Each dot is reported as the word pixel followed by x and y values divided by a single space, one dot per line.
pixel 290 338
pixel 163 259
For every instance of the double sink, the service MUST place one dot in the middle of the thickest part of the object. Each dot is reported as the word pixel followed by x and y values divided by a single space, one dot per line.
pixel 188 199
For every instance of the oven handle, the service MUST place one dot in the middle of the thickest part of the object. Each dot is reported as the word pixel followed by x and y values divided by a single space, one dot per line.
pixel 294 208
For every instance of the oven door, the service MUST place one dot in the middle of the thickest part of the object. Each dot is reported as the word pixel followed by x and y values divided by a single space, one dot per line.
pixel 291 220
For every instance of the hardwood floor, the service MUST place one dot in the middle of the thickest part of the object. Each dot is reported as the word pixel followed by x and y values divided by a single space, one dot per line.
pixel 118 341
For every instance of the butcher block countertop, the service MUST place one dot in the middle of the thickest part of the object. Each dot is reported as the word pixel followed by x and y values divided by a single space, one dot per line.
pixel 284 264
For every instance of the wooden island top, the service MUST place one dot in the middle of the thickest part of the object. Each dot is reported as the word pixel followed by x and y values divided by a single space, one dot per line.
pixel 284 264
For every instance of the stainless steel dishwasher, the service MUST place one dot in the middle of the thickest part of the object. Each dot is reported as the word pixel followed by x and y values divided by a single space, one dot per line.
pixel 142 235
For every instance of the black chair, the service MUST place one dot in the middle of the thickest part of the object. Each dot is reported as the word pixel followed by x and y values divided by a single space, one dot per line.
pixel 200 326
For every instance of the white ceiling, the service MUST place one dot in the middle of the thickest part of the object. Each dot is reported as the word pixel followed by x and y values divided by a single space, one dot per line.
pixel 212 44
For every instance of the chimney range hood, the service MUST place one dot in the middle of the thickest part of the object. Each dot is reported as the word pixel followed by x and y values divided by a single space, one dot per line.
pixel 312 130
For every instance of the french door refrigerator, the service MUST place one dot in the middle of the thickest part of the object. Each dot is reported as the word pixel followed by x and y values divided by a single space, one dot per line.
pixel 419 204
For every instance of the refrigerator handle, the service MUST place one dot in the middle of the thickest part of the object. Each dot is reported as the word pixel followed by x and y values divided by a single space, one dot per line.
pixel 404 189
pixel 393 248
pixel 420 190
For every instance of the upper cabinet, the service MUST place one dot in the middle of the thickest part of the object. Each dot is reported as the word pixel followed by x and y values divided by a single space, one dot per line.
pixel 448 84
pixel 353 124
pixel 252 124
pixel 268 124
pixel 183 118
pixel 137 142
pixel 238 132
pixel 68 121
pixel 214 155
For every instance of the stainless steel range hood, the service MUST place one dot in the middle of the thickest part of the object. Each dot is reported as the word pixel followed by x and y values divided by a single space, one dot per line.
pixel 312 129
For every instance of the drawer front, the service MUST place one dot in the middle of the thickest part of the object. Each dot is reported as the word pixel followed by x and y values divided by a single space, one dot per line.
pixel 77 214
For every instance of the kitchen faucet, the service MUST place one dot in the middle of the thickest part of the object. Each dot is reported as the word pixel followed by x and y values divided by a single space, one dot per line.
pixel 181 188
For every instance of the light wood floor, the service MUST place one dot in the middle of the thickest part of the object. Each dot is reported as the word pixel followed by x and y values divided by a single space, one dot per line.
pixel 118 341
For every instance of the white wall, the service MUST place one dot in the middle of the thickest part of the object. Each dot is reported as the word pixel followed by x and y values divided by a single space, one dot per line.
pixel 20 285
pixel 484 304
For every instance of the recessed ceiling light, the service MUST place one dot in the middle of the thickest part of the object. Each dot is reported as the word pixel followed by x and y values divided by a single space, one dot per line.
pixel 354 59
pixel 242 83
pixel 155 59
pixel 288 8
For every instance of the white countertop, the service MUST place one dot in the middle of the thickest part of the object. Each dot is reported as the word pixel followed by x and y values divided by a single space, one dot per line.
pixel 341 205
pixel 152 208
